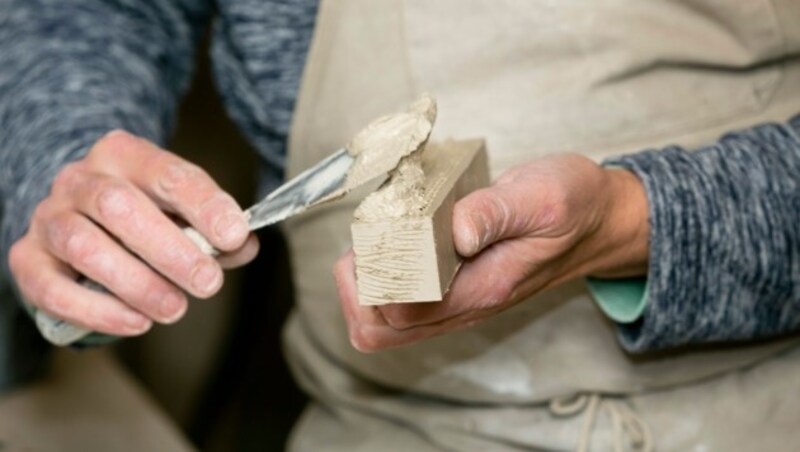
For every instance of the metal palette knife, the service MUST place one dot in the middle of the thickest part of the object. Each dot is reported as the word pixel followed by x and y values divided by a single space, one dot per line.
pixel 321 183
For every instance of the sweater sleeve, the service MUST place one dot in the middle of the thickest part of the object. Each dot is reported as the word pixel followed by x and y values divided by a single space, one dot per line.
pixel 72 70
pixel 725 240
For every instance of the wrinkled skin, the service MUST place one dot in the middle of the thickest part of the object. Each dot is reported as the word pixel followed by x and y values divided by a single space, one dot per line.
pixel 540 224
pixel 117 203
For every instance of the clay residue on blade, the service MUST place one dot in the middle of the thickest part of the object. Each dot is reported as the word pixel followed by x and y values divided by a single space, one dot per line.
pixel 382 144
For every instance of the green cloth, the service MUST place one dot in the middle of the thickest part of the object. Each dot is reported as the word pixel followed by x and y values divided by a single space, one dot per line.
pixel 623 300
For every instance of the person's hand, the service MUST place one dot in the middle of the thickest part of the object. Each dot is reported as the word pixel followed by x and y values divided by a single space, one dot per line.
pixel 540 224
pixel 110 217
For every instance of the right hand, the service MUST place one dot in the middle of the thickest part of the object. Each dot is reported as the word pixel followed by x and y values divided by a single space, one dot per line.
pixel 108 217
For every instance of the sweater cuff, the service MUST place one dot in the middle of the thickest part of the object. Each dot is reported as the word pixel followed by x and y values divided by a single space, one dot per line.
pixel 723 249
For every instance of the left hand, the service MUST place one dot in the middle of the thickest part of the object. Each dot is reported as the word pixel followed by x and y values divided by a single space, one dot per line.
pixel 541 224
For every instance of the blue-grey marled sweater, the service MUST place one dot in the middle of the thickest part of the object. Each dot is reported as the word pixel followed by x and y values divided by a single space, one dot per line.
pixel 725 244
pixel 70 70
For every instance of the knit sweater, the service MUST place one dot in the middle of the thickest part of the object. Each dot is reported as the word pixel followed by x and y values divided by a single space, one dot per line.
pixel 725 240
pixel 71 70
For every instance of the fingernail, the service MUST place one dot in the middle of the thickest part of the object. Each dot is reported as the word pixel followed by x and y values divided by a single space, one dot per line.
pixel 480 241
pixel 172 308
pixel 473 239
pixel 136 323
pixel 231 228
pixel 205 277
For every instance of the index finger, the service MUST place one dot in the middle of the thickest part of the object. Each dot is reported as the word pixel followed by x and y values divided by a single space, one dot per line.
pixel 179 186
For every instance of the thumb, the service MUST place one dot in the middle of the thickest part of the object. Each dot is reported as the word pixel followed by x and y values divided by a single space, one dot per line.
pixel 488 216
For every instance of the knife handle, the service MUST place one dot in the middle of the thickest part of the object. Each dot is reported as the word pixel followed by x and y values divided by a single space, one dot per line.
pixel 60 332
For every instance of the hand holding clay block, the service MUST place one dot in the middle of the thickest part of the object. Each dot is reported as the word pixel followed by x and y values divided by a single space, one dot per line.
pixel 402 233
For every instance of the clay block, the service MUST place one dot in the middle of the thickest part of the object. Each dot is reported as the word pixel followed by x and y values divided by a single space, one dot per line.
pixel 411 258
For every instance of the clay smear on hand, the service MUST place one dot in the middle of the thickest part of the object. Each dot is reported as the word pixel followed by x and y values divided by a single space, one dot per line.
pixel 393 142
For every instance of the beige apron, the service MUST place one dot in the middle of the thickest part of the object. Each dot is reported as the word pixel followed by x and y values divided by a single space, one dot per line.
pixel 600 77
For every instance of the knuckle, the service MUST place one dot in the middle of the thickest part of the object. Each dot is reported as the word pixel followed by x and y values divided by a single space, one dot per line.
pixel 79 246
pixel 112 142
pixel 176 175
pixel 75 243
pixel 72 240
pixel 114 200
pixel 66 178
pixel 578 160
pixel 42 212
pixel 57 231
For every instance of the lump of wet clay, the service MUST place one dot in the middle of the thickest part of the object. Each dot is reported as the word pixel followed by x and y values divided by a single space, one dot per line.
pixel 383 145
